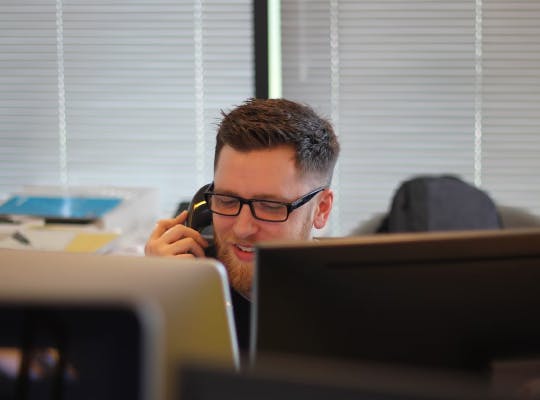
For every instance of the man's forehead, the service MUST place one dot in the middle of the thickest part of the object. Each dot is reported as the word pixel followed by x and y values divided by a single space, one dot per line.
pixel 260 173
pixel 285 150
pixel 279 160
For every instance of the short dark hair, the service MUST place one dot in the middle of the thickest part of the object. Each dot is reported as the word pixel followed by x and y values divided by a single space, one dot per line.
pixel 260 124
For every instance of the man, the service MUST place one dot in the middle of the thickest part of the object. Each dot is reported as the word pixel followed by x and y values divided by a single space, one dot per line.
pixel 273 166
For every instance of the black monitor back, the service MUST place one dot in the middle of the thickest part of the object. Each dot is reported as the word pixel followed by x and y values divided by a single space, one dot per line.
pixel 70 352
pixel 458 301
pixel 309 378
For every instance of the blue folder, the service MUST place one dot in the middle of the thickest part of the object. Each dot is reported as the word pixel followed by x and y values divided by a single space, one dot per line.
pixel 60 207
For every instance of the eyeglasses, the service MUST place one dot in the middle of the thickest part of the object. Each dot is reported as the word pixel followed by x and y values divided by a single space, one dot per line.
pixel 264 210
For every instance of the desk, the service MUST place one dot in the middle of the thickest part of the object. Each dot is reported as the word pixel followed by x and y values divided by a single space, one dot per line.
pixel 35 235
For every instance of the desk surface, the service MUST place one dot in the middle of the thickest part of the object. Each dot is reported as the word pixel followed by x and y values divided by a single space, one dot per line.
pixel 33 234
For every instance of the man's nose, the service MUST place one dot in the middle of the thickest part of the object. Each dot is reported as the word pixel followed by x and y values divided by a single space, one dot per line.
pixel 245 224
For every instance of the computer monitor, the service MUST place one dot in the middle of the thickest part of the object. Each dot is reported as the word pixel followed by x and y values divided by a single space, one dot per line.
pixel 82 326
pixel 309 378
pixel 462 301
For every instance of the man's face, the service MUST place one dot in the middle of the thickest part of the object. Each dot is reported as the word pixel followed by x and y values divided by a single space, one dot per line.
pixel 269 175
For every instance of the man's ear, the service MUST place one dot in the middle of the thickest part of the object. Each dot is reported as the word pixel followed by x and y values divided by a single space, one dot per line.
pixel 324 206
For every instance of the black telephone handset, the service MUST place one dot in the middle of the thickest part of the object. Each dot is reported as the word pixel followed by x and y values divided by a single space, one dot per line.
pixel 200 219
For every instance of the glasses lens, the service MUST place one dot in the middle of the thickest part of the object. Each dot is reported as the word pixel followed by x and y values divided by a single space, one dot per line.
pixel 222 204
pixel 269 210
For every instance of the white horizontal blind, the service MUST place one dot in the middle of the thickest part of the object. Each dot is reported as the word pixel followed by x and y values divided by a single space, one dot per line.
pixel 306 57
pixel 228 65
pixel 306 65
pixel 144 83
pixel 405 100
pixel 511 102
pixel 29 146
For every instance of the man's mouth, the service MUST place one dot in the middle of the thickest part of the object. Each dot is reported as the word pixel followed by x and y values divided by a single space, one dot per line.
pixel 246 249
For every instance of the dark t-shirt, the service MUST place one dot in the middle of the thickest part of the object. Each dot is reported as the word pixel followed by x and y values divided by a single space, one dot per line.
pixel 242 311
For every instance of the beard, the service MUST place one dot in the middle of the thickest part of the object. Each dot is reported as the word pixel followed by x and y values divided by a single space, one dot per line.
pixel 240 274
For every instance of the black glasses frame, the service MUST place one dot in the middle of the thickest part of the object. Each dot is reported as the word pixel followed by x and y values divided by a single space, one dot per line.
pixel 290 206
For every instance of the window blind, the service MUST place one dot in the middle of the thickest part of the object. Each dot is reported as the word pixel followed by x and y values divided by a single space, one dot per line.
pixel 121 93
pixel 420 87
pixel 29 146
pixel 511 102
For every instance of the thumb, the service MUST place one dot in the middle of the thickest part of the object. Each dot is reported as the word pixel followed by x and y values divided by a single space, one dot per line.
pixel 182 217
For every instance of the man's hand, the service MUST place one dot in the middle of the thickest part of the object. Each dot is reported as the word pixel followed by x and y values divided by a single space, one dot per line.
pixel 171 237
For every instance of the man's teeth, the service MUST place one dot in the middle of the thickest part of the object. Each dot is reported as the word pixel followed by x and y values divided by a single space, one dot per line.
pixel 246 249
